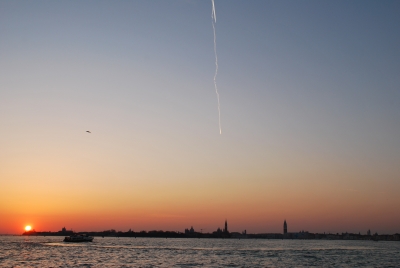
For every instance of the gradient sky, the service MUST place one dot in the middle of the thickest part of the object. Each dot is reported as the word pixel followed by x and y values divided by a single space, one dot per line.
pixel 310 113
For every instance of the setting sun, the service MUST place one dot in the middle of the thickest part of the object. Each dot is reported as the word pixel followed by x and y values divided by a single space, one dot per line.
pixel 28 228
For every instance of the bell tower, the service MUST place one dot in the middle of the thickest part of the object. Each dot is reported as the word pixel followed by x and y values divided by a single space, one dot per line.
pixel 284 227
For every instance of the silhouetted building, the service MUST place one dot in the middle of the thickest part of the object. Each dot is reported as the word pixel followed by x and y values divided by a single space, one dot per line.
pixel 189 231
pixel 64 231
pixel 284 227
pixel 222 233
pixel 226 227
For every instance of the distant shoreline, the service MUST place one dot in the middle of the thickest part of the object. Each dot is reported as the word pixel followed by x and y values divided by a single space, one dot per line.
pixel 232 235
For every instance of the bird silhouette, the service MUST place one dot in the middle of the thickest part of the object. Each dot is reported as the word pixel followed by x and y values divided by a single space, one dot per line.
pixel 88 131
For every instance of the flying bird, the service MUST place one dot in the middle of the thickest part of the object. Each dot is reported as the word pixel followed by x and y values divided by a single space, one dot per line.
pixel 88 131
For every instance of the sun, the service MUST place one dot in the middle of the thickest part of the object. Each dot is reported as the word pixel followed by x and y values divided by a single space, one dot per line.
pixel 28 228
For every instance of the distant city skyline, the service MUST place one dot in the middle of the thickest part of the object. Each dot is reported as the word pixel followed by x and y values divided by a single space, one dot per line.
pixel 193 232
pixel 219 233
pixel 309 96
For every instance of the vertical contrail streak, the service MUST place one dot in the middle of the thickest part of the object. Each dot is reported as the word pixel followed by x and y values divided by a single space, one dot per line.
pixel 214 20
pixel 213 16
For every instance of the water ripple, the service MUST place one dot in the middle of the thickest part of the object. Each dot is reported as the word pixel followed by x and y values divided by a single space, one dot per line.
pixel 17 251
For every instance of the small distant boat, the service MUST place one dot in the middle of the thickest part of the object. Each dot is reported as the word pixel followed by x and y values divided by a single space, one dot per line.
pixel 78 238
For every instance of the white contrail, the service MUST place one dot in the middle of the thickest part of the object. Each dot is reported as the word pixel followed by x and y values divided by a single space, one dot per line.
pixel 214 20
pixel 213 12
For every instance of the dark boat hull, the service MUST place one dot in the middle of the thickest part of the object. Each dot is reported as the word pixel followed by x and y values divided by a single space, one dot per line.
pixel 80 241
pixel 74 239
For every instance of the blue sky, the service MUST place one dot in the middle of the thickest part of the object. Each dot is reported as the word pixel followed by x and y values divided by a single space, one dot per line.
pixel 309 95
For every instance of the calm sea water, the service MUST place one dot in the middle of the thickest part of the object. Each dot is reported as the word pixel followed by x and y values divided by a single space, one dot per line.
pixel 18 251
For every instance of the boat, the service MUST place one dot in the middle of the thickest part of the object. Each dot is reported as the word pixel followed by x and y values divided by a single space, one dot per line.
pixel 78 238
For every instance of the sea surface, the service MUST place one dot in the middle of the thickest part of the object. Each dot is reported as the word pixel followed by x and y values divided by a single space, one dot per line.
pixel 21 251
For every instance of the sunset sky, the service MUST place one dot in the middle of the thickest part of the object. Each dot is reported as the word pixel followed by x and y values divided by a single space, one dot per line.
pixel 310 115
